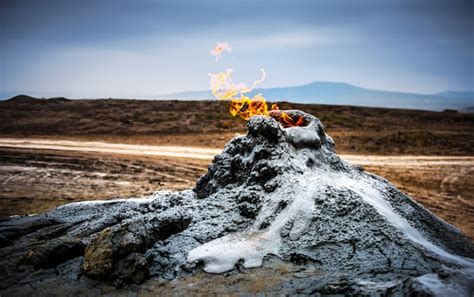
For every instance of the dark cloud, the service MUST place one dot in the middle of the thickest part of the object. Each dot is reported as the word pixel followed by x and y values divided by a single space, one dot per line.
pixel 422 36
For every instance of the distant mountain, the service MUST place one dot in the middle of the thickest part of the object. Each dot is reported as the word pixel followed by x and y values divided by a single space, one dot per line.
pixel 347 94
pixel 457 94
pixel 469 109
pixel 26 99
pixel 191 95
pixel 338 93
pixel 22 98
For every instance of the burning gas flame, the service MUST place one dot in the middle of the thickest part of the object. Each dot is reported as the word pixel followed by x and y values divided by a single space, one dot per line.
pixel 289 121
pixel 223 88
pixel 220 47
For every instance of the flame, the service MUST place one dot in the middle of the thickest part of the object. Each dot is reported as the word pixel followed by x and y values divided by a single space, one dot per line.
pixel 220 47
pixel 289 121
pixel 247 108
pixel 223 88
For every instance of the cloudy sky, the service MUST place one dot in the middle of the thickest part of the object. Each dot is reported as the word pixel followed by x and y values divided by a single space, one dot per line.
pixel 139 49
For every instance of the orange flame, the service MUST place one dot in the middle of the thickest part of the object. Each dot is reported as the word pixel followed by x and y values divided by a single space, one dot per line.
pixel 241 105
pixel 245 107
pixel 289 121
pixel 220 47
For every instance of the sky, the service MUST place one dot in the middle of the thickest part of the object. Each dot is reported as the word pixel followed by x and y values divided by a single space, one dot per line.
pixel 144 48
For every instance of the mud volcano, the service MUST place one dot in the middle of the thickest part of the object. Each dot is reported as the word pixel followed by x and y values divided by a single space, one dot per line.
pixel 277 196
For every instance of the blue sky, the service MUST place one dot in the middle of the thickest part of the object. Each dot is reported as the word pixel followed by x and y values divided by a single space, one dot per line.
pixel 140 49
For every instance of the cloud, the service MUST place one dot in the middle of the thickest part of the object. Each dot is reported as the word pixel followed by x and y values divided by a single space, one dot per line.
pixel 289 39
pixel 149 47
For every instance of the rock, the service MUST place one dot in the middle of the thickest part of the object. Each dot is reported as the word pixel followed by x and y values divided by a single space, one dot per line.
pixel 98 258
pixel 53 252
pixel 131 269
pixel 278 200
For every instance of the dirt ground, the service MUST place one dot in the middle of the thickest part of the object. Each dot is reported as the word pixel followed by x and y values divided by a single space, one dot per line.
pixel 35 180
pixel 356 130
pixel 429 155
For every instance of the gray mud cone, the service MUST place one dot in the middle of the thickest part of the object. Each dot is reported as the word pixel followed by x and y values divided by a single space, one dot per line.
pixel 277 195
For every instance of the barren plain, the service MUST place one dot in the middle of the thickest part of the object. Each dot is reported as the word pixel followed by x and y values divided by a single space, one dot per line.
pixel 58 151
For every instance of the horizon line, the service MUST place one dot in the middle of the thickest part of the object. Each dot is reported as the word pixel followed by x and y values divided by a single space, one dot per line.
pixel 161 96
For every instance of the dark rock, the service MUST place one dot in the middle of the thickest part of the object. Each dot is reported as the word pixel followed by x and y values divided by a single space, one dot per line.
pixel 249 204
pixel 98 258
pixel 259 126
pixel 54 252
pixel 133 269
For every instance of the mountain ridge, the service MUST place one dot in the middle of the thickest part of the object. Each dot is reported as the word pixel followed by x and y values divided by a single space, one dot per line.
pixel 339 93
pixel 342 93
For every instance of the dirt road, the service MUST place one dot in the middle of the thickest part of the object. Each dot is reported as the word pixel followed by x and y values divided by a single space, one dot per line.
pixel 38 174
pixel 209 153
pixel 111 148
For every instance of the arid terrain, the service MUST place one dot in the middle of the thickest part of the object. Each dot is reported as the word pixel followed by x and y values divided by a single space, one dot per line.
pixel 59 151
pixel 361 130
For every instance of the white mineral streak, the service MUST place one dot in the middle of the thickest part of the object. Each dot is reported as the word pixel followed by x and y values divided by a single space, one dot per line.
pixel 251 246
pixel 444 287
pixel 373 196
pixel 221 255
pixel 137 200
